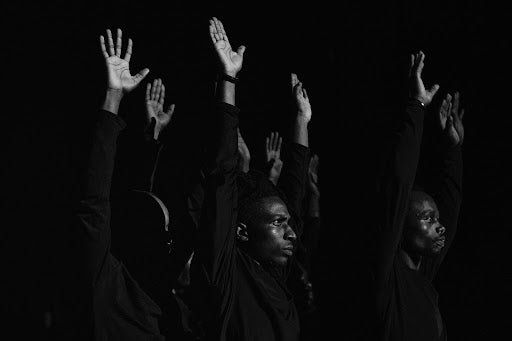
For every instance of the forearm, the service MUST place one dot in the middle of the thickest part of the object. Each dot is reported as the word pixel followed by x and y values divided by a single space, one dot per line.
pixel 93 213
pixel 313 206
pixel 112 101
pixel 300 131
pixel 395 186
pixel 216 228
pixel 226 91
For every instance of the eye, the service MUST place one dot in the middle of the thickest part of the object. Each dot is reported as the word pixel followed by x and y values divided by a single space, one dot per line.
pixel 277 222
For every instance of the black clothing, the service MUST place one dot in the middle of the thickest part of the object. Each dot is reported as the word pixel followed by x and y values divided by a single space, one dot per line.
pixel 118 309
pixel 244 300
pixel 407 302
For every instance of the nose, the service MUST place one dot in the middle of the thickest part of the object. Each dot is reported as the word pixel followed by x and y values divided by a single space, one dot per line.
pixel 290 234
pixel 440 229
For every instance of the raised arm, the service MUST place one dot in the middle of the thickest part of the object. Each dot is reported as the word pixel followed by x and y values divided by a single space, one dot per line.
pixel 446 179
pixel 399 173
pixel 93 212
pixel 218 220
pixel 295 155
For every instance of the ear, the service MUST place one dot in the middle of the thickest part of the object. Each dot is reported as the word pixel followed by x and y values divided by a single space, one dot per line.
pixel 241 232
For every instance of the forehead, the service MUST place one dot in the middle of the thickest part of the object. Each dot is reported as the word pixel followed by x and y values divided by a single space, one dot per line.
pixel 274 206
pixel 425 204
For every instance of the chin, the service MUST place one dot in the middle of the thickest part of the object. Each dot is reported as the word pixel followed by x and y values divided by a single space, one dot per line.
pixel 282 261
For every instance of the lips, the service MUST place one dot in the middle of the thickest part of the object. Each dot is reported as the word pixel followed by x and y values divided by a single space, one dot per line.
pixel 288 251
pixel 440 242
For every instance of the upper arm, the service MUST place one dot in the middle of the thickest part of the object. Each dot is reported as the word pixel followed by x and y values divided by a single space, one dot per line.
pixel 216 249
pixel 394 188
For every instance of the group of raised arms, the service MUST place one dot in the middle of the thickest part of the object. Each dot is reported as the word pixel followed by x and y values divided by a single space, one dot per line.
pixel 234 263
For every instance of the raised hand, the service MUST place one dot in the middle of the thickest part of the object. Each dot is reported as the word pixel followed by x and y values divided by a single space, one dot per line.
pixel 243 150
pixel 313 175
pixel 119 76
pixel 230 60
pixel 155 97
pixel 417 88
pixel 301 99
pixel 450 119
pixel 273 151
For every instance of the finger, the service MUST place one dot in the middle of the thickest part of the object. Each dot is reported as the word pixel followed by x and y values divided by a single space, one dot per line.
pixel 294 80
pixel 153 89
pixel 272 139
pixel 218 36
pixel 276 141
pixel 148 92
pixel 170 110
pixel 110 43
pixel 411 63
pixel 128 54
pixel 456 103
pixel 158 89
pixel 241 50
pixel 461 116
pixel 305 93
pixel 212 31
pixel 267 145
pixel 298 89
pixel 141 75
pixel 279 145
pixel 421 62
pixel 433 90
pixel 103 48
pixel 119 42
pixel 162 95
pixel 222 31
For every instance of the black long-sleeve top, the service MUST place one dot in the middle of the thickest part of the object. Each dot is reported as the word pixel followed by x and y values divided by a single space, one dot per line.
pixel 118 308
pixel 407 302
pixel 244 300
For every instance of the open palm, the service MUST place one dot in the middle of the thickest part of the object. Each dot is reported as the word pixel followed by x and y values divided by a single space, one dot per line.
pixel 450 119
pixel 231 60
pixel 119 76
pixel 155 97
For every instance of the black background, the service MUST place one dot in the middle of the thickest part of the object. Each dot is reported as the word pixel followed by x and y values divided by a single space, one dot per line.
pixel 352 59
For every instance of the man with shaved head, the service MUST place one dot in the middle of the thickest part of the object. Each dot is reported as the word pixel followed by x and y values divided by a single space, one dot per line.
pixel 416 225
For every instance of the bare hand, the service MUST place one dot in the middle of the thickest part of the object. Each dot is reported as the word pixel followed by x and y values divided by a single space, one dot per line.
pixel 417 89
pixel 301 99
pixel 231 61
pixel 243 150
pixel 155 97
pixel 119 76
pixel 450 119
pixel 273 151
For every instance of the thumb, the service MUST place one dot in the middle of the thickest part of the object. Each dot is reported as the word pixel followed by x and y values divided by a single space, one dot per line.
pixel 241 50
pixel 141 75
pixel 433 90
pixel 170 111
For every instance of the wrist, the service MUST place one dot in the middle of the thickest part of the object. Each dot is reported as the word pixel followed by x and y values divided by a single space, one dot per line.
pixel 302 119
pixel 112 100
pixel 231 73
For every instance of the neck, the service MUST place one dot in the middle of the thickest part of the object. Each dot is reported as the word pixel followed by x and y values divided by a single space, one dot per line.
pixel 412 260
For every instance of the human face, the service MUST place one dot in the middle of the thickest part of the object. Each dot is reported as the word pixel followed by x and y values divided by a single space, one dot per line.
pixel 270 236
pixel 424 234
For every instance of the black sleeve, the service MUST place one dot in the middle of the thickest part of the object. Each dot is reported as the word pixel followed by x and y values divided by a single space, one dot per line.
pixel 216 249
pixel 93 212
pixel 292 181
pixel 446 190
pixel 394 187
pixel 137 162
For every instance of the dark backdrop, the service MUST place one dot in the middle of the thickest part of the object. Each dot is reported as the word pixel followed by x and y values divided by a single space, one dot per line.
pixel 351 59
